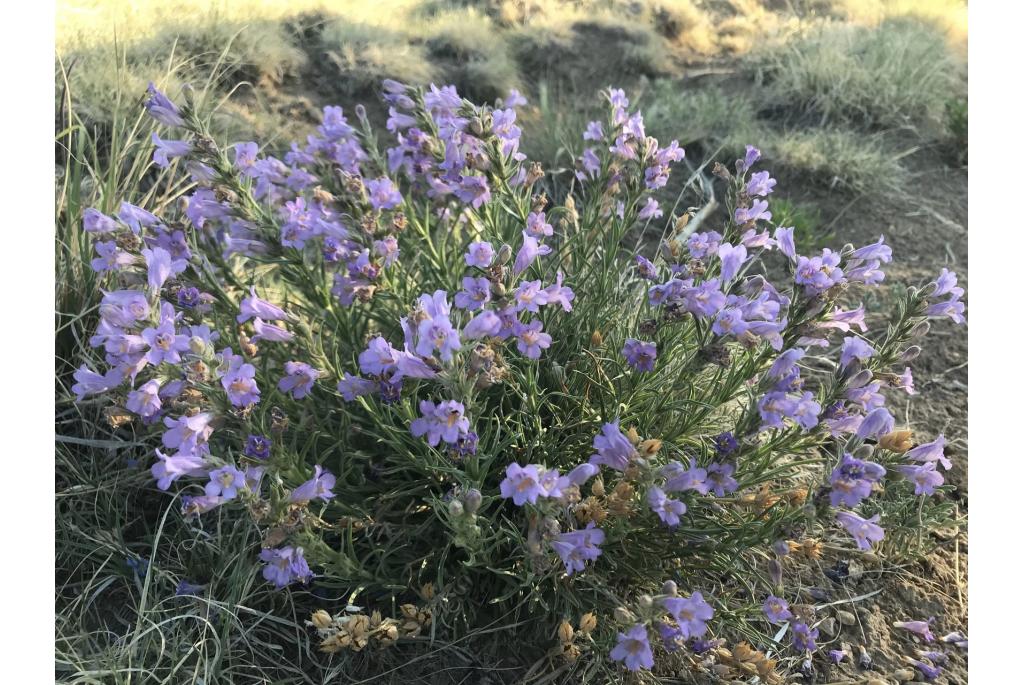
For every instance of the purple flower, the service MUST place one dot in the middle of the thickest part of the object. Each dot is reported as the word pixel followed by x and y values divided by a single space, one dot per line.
pixel 879 251
pixel 646 268
pixel 877 423
pixel 852 480
pixel 285 565
pixel 473 190
pixel 804 637
pixel 146 400
pixel 352 387
pixel 170 468
pixel 160 267
pixel 484 324
pixel 784 239
pixel 680 479
pixel 805 411
pixel 479 254
pixel 929 671
pixel 785 363
pixel 95 221
pixel 701 245
pixel 299 379
pixel 136 217
pixel 920 628
pixel 435 332
pixel 752 155
pixel 225 483
pixel 776 609
pixel 187 434
pixel 529 296
pixel 720 479
pixel 161 108
pixel 378 357
pixel 613 448
pixel 725 443
pixel 253 306
pixel 732 259
pixel 836 655
pixel 110 257
pixel 854 348
pixel 560 294
pixel 165 344
pixel 317 487
pixel 924 477
pixel 522 484
pixel 650 210
pixel 530 250
pixel 931 452
pixel 640 355
pixel 594 131
pixel 945 284
pixel 578 547
pixel 864 531
pixel 270 332
pixel 759 211
pixel 537 225
pixel 166 150
pixel 445 420
pixel 257 447
pixel 668 510
pixel 690 613
pixel 634 649
pixel 952 308
pixel 530 340
pixel 761 183
pixel 383 194
pixel 240 385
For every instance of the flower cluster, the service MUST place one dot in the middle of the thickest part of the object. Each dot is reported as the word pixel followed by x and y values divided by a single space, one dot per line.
pixel 398 321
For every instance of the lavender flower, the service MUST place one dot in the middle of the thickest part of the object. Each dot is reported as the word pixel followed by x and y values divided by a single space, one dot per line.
pixel 751 156
pixel 522 484
pixel 225 483
pixel 634 649
pixel 690 613
pixel 317 487
pixel 725 444
pixel 680 479
pixel 784 239
pixel 646 268
pixel 254 307
pixel 443 421
pixel 761 183
pixel 650 210
pixel 732 259
pixel 931 452
pixel 170 468
pixel 720 480
pixel 668 510
pixel 480 255
pixel 759 211
pixel 161 108
pixel 257 447
pixel 776 609
pixel 864 531
pixel 146 400
pixel 578 547
pixel 920 628
pixel 852 480
pixel 530 340
pixel 804 637
pixel 240 385
pixel 284 566
pixel 530 250
pixel 640 355
pixel 877 423
pixel 299 379
pixel 924 477
pixel 613 448
pixel 165 344
pixel 166 150
pixel 854 348
pixel 382 193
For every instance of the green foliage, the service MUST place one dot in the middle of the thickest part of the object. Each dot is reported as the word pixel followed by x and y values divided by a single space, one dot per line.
pixel 956 125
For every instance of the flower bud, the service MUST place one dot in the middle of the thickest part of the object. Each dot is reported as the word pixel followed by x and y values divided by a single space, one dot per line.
pixel 645 602
pixel 898 441
pixel 360 112
pixel 864 452
pixel 670 588
pixel 911 353
pixel 861 378
pixel 596 339
pixel 775 571
pixel 321 619
pixel 499 290
pixel 472 500
pixel 504 255
pixel 623 615
pixel 196 345
pixel 920 330
pixel 455 508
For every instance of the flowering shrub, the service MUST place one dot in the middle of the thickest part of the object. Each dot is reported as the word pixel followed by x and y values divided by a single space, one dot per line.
pixel 431 385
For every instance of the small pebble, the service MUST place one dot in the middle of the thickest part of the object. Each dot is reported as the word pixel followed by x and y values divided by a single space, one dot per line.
pixel 829 627
pixel 904 675
pixel 846 617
